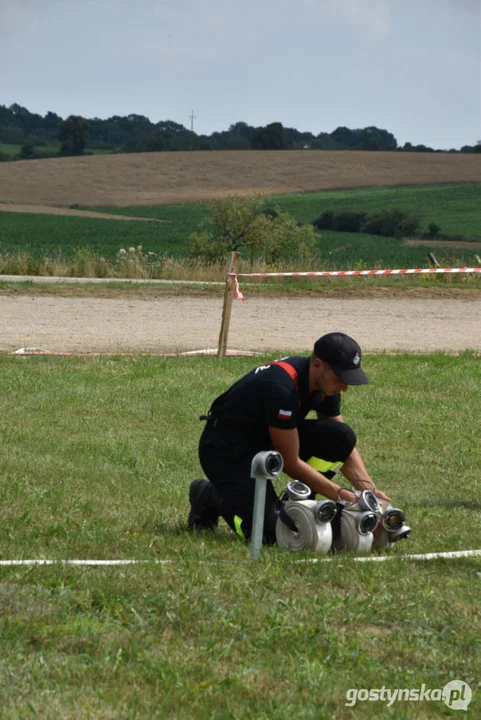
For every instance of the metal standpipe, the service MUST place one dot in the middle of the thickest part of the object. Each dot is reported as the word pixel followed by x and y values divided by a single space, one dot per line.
pixel 266 465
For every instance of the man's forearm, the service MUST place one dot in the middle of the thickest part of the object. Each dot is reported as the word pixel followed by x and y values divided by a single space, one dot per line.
pixel 355 471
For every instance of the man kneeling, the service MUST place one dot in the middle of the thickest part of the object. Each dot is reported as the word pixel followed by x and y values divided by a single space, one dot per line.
pixel 267 409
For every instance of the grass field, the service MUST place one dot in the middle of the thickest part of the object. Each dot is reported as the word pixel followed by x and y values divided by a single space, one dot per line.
pixel 97 456
pixel 10 149
pixel 13 150
pixel 455 208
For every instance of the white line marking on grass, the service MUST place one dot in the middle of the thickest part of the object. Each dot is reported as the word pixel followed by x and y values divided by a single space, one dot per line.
pixel 370 558
pixel 424 556
pixel 91 563
pixel 208 351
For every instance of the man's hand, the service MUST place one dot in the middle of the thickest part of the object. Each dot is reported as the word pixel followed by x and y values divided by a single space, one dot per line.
pixel 369 485
pixel 355 471
pixel 345 494
pixel 381 496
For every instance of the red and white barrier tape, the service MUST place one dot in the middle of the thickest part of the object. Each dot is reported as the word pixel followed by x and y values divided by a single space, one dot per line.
pixel 343 273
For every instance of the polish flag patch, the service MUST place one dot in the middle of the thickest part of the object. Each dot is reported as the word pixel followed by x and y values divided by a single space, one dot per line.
pixel 284 414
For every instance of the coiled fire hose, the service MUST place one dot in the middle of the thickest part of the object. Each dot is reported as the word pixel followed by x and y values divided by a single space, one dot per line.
pixel 313 532
pixel 360 526
pixel 352 537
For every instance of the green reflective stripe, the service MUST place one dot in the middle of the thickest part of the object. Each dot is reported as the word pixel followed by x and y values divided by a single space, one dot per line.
pixel 324 465
pixel 237 524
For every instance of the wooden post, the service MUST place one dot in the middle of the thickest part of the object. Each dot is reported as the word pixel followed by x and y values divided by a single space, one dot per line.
pixel 432 258
pixel 226 311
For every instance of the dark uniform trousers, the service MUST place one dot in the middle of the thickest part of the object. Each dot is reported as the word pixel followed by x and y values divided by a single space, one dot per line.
pixel 324 444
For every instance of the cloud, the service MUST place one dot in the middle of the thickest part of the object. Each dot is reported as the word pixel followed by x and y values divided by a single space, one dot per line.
pixel 372 14
pixel 14 13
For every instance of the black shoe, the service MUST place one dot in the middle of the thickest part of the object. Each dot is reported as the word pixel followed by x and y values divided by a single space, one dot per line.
pixel 201 516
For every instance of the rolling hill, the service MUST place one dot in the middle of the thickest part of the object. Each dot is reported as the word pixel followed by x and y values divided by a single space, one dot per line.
pixel 170 178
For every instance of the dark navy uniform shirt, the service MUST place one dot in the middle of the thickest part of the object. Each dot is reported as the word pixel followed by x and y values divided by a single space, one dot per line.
pixel 267 396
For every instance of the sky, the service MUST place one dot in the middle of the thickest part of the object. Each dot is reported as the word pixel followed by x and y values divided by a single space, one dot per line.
pixel 412 67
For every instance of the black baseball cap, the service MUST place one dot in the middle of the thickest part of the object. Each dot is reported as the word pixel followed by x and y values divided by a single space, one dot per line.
pixel 343 355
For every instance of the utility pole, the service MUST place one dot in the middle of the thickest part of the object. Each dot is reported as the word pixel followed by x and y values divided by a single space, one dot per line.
pixel 192 117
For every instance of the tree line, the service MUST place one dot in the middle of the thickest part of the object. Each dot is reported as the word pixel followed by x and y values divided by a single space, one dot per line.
pixel 49 135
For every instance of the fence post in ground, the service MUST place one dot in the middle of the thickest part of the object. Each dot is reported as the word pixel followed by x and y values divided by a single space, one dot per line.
pixel 226 311
pixel 433 259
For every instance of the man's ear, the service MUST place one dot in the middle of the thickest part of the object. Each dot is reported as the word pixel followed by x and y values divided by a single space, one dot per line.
pixel 317 363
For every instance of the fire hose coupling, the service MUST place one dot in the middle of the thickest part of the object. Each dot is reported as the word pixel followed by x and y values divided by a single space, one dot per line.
pixel 393 519
pixel 325 511
pixel 298 491
pixel 368 509
pixel 368 524
pixel 266 465
pixel 392 527
pixel 357 522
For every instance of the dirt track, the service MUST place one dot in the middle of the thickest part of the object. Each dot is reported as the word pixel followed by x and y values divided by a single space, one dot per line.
pixel 69 212
pixel 171 324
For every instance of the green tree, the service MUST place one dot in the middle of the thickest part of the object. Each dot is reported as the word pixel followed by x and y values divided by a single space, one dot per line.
pixel 432 231
pixel 345 136
pixel 270 137
pixel 24 118
pixel 11 135
pixel 383 139
pixel 282 238
pixel 242 128
pixel 368 138
pixel 370 143
pixel 27 151
pixel 229 141
pixel 325 141
pixel 244 222
pixel 73 134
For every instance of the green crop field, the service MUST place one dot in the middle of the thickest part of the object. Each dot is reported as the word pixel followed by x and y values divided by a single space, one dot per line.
pixel 10 149
pixel 344 251
pixel 13 150
pixel 97 457
pixel 456 209
pixel 44 234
